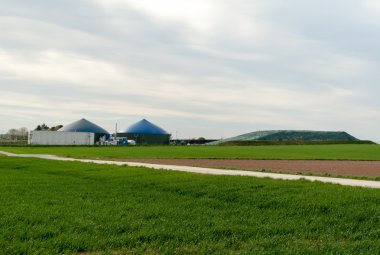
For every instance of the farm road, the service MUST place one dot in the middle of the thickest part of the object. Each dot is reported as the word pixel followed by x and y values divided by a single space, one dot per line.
pixel 212 171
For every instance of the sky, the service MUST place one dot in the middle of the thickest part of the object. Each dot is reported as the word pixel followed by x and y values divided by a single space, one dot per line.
pixel 215 68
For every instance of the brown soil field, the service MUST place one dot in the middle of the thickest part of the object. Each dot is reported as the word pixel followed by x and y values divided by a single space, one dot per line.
pixel 320 167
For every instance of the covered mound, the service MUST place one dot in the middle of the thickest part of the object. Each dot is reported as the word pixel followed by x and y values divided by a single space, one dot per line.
pixel 290 135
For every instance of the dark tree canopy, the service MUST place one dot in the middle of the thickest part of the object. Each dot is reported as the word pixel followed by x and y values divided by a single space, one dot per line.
pixel 55 128
pixel 42 127
pixel 45 127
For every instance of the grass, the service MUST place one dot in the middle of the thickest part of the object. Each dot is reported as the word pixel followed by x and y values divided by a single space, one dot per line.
pixel 51 207
pixel 325 152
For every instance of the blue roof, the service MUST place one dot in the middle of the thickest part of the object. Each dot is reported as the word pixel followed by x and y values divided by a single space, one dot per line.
pixel 144 127
pixel 83 125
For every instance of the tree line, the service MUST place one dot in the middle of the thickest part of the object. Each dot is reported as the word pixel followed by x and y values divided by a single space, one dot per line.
pixel 44 127
pixel 22 133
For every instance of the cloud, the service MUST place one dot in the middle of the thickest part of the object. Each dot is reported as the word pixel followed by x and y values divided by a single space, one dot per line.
pixel 220 67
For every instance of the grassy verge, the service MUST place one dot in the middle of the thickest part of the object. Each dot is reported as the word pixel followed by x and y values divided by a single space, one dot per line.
pixel 324 152
pixel 51 207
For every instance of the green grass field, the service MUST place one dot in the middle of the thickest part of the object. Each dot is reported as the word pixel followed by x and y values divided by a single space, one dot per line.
pixel 49 207
pixel 334 152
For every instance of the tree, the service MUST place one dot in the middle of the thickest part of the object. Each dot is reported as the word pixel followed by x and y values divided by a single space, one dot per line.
pixel 42 127
pixel 12 133
pixel 55 128
pixel 21 133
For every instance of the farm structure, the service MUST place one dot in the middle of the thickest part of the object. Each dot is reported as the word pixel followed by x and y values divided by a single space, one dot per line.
pixel 81 132
pixel 61 138
pixel 290 135
pixel 145 132
pixel 84 125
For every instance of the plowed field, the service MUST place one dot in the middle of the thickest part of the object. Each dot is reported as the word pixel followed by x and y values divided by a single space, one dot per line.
pixel 331 167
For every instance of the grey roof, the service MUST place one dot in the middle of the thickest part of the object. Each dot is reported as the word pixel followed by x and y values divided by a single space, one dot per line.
pixel 83 125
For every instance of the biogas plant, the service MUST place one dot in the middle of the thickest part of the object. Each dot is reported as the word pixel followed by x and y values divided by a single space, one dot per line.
pixel 84 132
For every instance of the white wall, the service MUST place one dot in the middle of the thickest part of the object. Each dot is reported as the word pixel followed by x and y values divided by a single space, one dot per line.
pixel 61 138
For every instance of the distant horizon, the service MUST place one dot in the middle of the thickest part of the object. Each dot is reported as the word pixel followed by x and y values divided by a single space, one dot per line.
pixel 208 138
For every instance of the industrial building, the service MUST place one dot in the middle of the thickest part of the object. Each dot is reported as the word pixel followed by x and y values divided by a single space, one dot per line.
pixel 81 132
pixel 84 125
pixel 60 138
pixel 145 133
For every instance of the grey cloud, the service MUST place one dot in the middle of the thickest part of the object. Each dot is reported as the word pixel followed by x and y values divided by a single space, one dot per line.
pixel 306 48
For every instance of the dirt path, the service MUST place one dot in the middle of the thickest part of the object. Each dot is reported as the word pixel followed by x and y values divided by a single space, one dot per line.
pixel 335 168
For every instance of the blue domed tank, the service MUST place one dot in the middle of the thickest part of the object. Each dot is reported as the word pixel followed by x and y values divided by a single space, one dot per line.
pixel 144 127
pixel 145 132
pixel 84 125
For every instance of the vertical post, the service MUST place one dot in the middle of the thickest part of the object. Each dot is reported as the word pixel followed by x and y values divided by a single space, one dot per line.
pixel 116 131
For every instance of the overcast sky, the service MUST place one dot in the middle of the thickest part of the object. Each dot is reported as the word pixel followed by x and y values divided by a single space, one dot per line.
pixel 214 68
